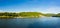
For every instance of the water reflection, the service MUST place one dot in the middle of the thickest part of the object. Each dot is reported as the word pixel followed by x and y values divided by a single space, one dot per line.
pixel 45 22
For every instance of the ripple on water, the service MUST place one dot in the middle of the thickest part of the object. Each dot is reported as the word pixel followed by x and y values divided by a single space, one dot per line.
pixel 50 22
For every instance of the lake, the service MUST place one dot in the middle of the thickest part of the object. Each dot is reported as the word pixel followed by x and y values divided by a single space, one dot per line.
pixel 45 22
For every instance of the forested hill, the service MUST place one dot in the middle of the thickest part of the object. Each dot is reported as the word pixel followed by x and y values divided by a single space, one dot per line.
pixel 30 14
pixel 27 14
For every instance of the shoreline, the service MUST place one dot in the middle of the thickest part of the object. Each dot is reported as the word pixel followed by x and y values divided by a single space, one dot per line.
pixel 7 17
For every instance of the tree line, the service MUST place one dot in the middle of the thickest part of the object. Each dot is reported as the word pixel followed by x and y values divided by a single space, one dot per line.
pixel 27 14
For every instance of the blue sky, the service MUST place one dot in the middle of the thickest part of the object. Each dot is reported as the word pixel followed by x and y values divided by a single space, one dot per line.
pixel 44 6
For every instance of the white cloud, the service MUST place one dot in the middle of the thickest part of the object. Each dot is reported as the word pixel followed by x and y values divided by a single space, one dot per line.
pixel 53 10
pixel 1 11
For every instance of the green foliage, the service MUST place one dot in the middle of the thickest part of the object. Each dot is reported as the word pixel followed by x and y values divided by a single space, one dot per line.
pixel 58 15
pixel 49 14
pixel 27 14
pixel 8 14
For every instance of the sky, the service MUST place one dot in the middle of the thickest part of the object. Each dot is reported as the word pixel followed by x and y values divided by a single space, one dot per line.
pixel 44 6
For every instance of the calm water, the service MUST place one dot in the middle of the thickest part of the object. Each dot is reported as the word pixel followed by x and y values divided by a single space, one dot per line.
pixel 46 22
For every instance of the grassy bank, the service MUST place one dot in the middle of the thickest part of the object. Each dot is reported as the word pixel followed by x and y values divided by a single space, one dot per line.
pixel 6 17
